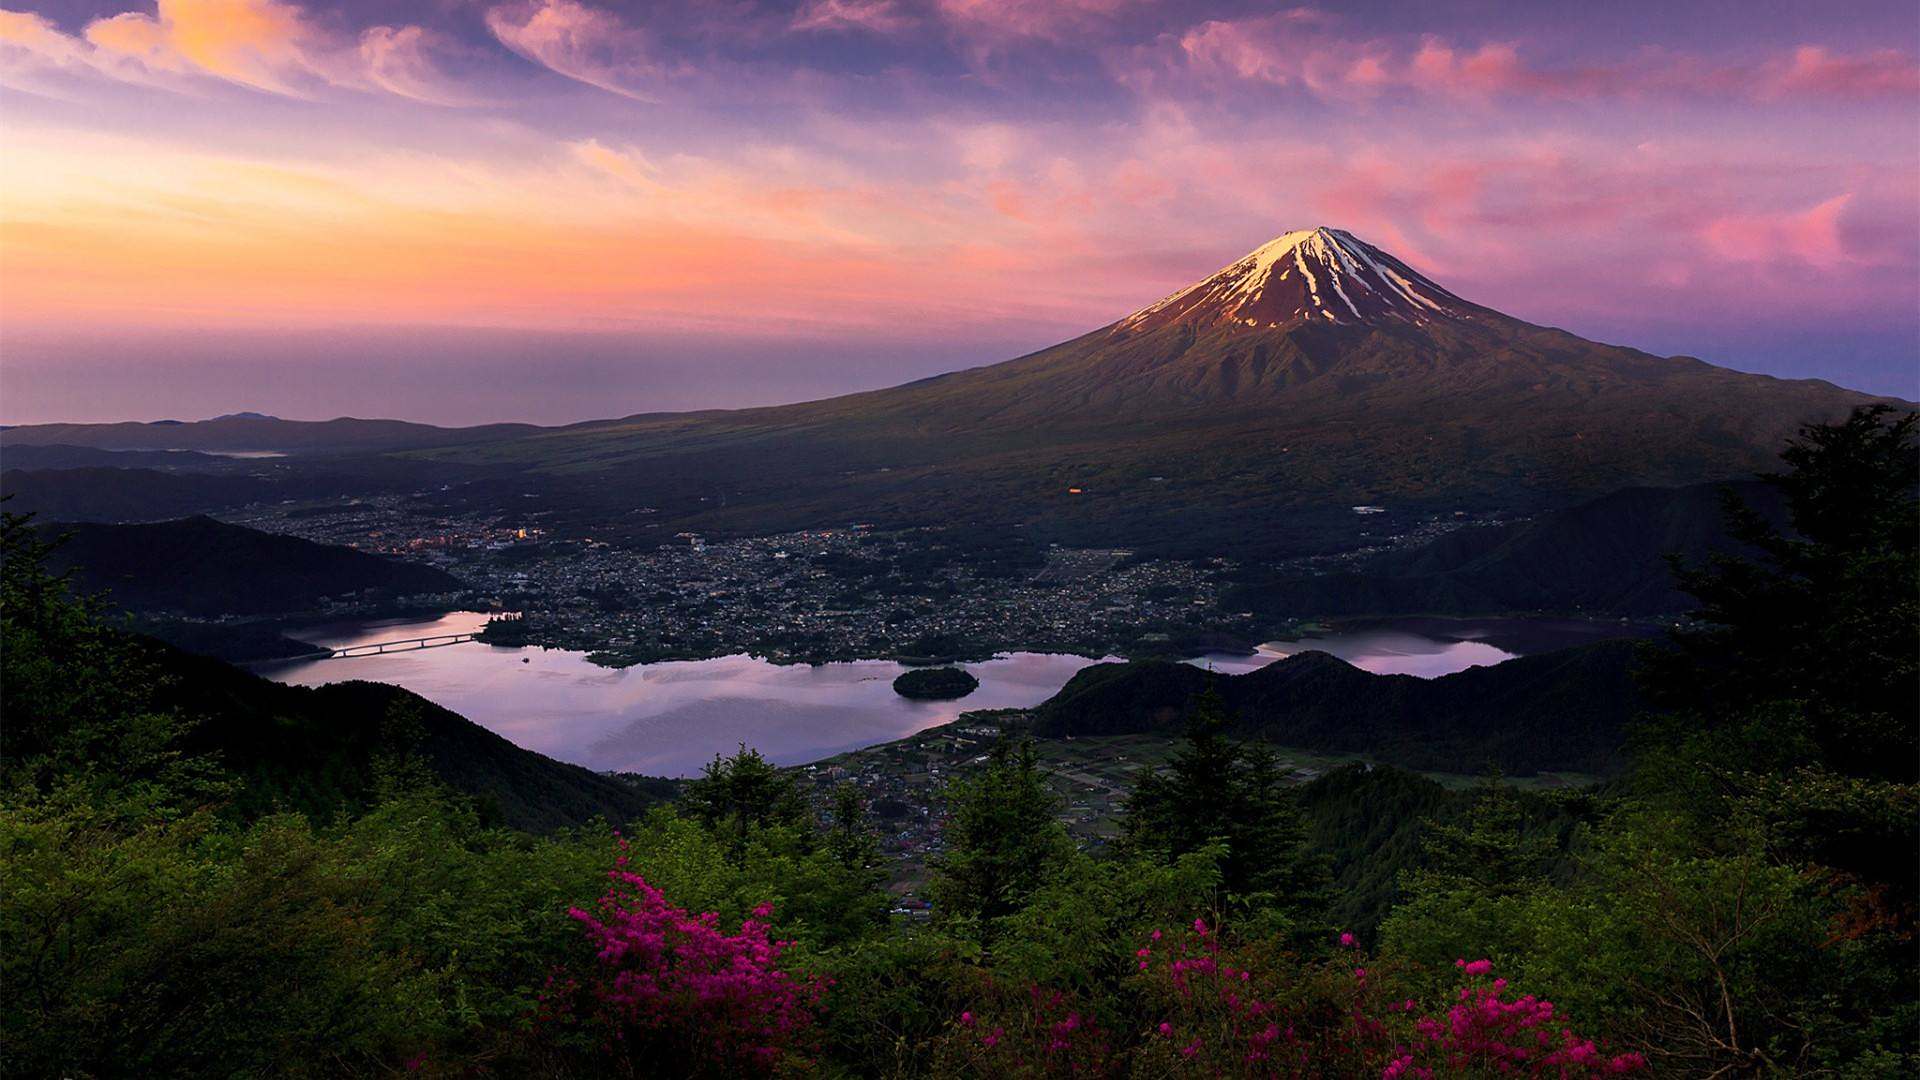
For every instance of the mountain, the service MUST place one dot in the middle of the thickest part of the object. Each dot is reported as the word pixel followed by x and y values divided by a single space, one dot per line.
pixel 1248 412
pixel 320 750
pixel 255 432
pixel 1605 557
pixel 201 567
pixel 1565 710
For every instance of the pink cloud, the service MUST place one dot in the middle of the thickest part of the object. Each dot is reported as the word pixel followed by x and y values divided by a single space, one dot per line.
pixel 1047 19
pixel 1290 50
pixel 1812 236
pixel 407 61
pixel 1821 72
pixel 587 44
pixel 264 45
pixel 873 16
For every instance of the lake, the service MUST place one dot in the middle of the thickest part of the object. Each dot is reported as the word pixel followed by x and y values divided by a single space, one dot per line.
pixel 670 718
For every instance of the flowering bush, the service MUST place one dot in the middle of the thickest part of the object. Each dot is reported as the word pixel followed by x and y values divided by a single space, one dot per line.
pixel 676 994
pixel 1485 1031
pixel 1035 1032
pixel 1213 1009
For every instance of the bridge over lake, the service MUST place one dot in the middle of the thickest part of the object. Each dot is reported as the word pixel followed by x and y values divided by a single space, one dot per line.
pixel 375 648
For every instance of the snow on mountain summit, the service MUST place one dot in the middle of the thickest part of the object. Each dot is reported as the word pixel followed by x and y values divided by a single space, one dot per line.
pixel 1311 275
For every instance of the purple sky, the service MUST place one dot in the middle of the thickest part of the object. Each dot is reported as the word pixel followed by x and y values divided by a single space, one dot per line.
pixel 555 209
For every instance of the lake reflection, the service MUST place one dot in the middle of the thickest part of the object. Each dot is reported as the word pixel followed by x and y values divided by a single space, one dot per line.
pixel 670 718
pixel 1429 647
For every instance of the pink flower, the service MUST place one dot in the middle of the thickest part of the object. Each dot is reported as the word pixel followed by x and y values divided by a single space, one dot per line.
pixel 1166 1028
pixel 1199 926
pixel 966 1019
pixel 1346 939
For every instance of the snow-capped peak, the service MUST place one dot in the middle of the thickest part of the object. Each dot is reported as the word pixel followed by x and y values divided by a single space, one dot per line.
pixel 1311 275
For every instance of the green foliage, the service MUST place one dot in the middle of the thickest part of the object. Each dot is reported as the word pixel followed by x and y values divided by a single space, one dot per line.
pixel 1825 615
pixel 1216 791
pixel 83 729
pixel 1748 906
pixel 1003 841
pixel 935 684
pixel 742 793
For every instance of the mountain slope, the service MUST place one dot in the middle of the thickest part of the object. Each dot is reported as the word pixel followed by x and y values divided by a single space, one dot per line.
pixel 202 567
pixel 97 493
pixel 1603 557
pixel 1314 374
pixel 1561 710
pixel 319 750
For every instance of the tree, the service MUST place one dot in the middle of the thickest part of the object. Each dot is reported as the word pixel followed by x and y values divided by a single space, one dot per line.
pixel 738 794
pixel 1490 852
pixel 1216 790
pixel 83 724
pixel 1790 696
pixel 1824 615
pixel 1003 839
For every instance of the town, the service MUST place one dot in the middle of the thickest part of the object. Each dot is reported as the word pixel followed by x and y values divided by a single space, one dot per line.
pixel 823 595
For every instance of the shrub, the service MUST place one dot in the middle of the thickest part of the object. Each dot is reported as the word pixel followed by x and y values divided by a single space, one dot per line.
pixel 675 994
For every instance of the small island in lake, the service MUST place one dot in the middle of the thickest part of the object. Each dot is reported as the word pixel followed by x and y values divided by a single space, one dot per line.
pixel 936 684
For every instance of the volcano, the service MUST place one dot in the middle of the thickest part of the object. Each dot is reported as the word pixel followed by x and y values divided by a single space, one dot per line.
pixel 1314 274
pixel 1251 410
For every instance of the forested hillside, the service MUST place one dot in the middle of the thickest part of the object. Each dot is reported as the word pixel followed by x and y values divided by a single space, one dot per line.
pixel 1604 557
pixel 1564 711
pixel 199 566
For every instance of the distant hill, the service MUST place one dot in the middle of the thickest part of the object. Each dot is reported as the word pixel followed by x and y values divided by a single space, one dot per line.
pixel 115 494
pixel 1557 711
pixel 61 456
pixel 318 749
pixel 242 432
pixel 202 567
pixel 1603 557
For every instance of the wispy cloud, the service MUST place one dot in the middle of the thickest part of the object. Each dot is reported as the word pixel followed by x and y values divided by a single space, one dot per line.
pixel 263 45
pixel 587 44
pixel 1305 50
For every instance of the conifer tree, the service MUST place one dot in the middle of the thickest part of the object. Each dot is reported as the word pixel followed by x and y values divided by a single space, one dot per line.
pixel 1003 839
pixel 1217 789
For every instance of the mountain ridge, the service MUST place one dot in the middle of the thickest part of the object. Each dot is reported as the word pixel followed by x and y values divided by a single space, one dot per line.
pixel 1193 433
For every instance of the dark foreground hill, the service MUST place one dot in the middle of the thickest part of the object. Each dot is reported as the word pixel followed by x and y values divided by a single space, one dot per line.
pixel 1603 557
pixel 103 493
pixel 1558 711
pixel 202 567
pixel 320 750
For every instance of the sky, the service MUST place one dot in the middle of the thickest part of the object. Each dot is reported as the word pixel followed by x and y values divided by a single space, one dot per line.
pixel 471 210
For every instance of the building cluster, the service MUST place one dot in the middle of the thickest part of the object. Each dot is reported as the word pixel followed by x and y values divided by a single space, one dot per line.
pixel 821 595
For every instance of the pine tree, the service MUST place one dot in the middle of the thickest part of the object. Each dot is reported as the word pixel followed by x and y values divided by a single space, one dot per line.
pixel 1003 839
pixel 1488 853
pixel 1216 789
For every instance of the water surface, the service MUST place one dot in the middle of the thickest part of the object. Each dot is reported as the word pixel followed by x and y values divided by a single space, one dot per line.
pixel 670 718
